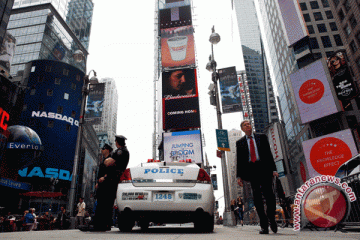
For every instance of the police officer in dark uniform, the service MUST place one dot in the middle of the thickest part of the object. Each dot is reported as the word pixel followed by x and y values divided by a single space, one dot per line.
pixel 107 186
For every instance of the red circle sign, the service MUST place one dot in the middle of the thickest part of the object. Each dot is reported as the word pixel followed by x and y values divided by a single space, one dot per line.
pixel 325 206
pixel 328 154
pixel 311 91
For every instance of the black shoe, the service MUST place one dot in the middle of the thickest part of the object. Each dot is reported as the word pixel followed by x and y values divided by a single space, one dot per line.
pixel 273 226
pixel 264 231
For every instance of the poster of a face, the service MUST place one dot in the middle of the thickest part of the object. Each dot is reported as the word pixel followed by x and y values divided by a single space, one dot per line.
pixel 177 47
pixel 7 52
pixel 182 145
pixel 324 155
pixel 230 90
pixel 343 82
pixel 95 102
pixel 181 83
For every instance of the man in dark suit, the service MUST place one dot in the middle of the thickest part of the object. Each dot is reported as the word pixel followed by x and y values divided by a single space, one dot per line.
pixel 256 165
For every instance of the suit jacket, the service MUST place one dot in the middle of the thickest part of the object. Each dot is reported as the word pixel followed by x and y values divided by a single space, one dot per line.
pixel 266 164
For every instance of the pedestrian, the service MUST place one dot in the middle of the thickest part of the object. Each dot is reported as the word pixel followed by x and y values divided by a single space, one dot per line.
pixel 233 208
pixel 255 164
pixel 241 209
pixel 80 212
pixel 62 220
pixel 107 186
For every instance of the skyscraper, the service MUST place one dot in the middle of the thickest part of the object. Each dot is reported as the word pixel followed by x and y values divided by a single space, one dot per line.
pixel 257 73
pixel 5 10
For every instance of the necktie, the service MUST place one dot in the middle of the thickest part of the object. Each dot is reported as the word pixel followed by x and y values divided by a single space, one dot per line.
pixel 252 150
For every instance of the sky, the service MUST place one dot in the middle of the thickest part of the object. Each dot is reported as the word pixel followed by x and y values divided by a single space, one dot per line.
pixel 122 47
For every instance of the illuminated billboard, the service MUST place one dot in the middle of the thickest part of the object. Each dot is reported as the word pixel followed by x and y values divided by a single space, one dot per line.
pixel 325 154
pixel 95 103
pixel 181 83
pixel 181 113
pixel 293 21
pixel 342 80
pixel 229 90
pixel 175 17
pixel 7 52
pixel 182 146
pixel 312 91
pixel 177 47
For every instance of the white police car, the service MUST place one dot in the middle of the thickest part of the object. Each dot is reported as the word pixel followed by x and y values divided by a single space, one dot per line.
pixel 164 192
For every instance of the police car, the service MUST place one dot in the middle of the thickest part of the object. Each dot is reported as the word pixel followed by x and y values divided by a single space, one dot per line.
pixel 163 192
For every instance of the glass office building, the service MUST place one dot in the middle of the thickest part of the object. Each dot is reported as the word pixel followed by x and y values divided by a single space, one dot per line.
pixel 263 102
pixel 5 10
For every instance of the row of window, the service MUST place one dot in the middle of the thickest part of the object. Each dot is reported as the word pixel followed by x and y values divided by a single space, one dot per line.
pixel 325 41
pixel 318 16
pixel 51 124
pixel 322 27
pixel 314 5
pixel 57 81
pixel 49 93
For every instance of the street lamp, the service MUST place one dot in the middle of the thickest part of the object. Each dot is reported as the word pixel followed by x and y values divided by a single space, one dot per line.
pixel 85 92
pixel 229 219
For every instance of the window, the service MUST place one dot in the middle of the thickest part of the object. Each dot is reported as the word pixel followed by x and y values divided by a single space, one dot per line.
pixel 321 28
pixel 307 17
pixel 333 26
pixel 314 5
pixel 338 41
pixel 73 114
pixel 353 21
pixel 303 6
pixel 347 6
pixel 73 86
pixel 358 37
pixel 48 68
pixel 57 81
pixel 353 46
pixel 314 43
pixel 317 55
pixel 32 122
pixel 358 64
pixel 336 2
pixel 68 127
pixel 41 107
pixel 50 92
pixel 32 91
pixel 66 72
pixel 310 29
pixel 41 79
pixel 24 107
pixel 325 3
pixel 60 109
pixel 318 16
pixel 329 15
pixel 50 124
pixel 341 14
pixel 326 41
pixel 329 54
pixel 66 96
pixel 347 30
pixel 78 78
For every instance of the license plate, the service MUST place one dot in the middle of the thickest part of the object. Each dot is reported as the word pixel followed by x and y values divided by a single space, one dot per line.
pixel 160 196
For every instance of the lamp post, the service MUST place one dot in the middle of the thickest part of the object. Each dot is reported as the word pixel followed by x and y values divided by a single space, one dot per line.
pixel 229 219
pixel 85 92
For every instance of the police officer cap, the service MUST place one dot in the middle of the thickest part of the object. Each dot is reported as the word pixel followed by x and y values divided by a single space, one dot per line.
pixel 120 137
pixel 107 146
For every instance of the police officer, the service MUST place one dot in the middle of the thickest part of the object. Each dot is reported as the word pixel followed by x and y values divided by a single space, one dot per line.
pixel 107 186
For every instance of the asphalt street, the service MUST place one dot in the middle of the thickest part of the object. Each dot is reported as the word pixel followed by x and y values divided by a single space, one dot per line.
pixel 184 232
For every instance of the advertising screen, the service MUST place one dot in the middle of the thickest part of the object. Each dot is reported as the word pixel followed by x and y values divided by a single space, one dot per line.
pixel 274 141
pixel 229 90
pixel 95 103
pixel 182 145
pixel 173 3
pixel 312 91
pixel 342 80
pixel 324 155
pixel 177 47
pixel 293 20
pixel 7 52
pixel 181 113
pixel 175 17
pixel 181 83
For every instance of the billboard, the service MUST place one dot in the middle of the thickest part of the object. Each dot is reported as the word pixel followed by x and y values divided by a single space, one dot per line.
pixel 229 90
pixel 95 103
pixel 163 4
pixel 103 139
pixel 342 80
pixel 325 154
pixel 181 83
pixel 7 52
pixel 177 47
pixel 293 21
pixel 181 113
pixel 312 91
pixel 183 145
pixel 175 17
pixel 274 141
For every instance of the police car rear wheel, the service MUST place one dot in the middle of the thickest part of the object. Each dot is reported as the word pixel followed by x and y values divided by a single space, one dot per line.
pixel 144 225
pixel 204 222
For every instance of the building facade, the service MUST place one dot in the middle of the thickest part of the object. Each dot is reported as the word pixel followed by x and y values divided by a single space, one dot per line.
pixel 5 10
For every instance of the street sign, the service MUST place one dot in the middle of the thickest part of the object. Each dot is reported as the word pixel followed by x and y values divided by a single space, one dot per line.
pixel 222 139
